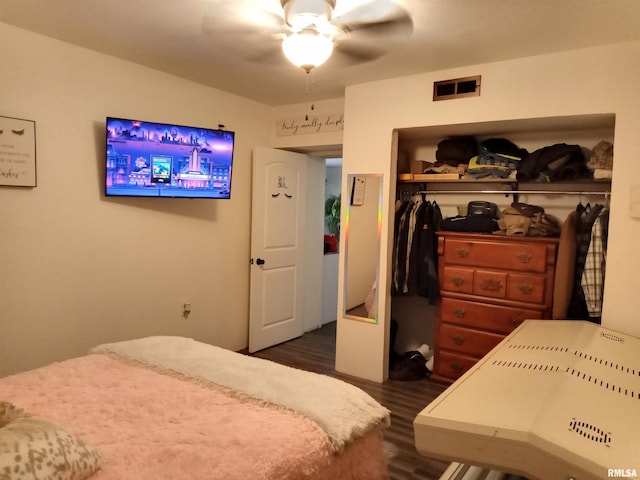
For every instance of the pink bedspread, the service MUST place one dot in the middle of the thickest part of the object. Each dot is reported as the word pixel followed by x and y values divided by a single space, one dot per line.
pixel 153 426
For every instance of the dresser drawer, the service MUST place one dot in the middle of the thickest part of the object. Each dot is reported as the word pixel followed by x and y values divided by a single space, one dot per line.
pixel 526 288
pixel 490 284
pixel 481 315
pixel 527 257
pixel 451 365
pixel 457 280
pixel 465 340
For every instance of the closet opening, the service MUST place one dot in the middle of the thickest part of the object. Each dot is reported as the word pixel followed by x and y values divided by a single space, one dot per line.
pixel 488 280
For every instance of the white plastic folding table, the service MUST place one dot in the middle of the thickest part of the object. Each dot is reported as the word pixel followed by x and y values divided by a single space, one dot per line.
pixel 556 399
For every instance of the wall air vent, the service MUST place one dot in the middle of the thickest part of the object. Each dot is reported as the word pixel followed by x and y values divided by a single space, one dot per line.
pixel 456 88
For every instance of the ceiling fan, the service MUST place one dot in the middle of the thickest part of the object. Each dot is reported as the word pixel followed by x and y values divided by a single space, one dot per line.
pixel 309 30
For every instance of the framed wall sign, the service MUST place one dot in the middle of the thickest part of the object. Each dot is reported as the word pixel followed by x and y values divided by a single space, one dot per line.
pixel 17 152
pixel 357 190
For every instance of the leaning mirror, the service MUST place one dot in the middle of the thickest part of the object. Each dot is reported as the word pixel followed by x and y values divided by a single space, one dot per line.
pixel 362 246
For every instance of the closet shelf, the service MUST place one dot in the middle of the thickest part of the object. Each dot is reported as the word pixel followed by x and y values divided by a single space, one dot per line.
pixel 458 180
pixel 508 187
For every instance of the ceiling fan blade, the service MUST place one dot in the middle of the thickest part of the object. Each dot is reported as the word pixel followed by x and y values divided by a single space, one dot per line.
pixel 239 17
pixel 399 25
pixel 364 10
pixel 376 18
pixel 241 29
pixel 351 54
pixel 271 55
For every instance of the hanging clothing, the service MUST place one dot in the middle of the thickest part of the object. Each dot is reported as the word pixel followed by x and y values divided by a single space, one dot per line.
pixel 400 246
pixel 565 267
pixel 410 236
pixel 586 216
pixel 427 263
pixel 414 263
pixel 595 263
pixel 412 259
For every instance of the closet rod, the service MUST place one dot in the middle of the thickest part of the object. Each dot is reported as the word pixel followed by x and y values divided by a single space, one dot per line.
pixel 511 192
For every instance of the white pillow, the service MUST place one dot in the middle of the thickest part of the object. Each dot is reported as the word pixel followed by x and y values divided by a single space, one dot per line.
pixel 33 449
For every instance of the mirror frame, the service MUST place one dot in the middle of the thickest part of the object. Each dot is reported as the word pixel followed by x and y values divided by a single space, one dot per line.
pixel 347 226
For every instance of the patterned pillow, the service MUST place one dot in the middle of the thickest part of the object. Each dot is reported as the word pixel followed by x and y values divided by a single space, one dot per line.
pixel 33 449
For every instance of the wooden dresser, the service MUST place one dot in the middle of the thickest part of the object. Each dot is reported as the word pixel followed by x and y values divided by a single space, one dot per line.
pixel 489 284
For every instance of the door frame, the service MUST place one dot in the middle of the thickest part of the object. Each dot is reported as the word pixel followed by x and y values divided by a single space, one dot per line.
pixel 316 207
pixel 313 245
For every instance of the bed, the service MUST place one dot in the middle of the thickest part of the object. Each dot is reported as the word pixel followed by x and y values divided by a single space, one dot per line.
pixel 173 408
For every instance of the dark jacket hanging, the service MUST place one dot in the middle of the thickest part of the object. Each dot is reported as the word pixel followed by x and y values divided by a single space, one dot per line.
pixel 414 268
pixel 577 309
pixel 427 264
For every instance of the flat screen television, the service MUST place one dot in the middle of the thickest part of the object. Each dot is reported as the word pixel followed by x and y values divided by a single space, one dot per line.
pixel 148 159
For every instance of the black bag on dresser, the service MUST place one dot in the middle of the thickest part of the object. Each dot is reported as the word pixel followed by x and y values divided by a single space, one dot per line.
pixel 481 218
pixel 479 207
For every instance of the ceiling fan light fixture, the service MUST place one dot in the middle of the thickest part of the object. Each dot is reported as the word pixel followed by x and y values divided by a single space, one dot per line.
pixel 296 11
pixel 307 49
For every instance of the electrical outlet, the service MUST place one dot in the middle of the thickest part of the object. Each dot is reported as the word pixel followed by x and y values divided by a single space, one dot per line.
pixel 186 310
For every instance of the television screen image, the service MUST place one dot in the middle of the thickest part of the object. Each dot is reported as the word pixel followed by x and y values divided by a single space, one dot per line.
pixel 148 159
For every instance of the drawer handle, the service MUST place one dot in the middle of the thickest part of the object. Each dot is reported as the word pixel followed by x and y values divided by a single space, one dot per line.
pixel 491 285
pixel 458 281
pixel 517 320
pixel 525 288
pixel 459 312
pixel 458 339
pixel 525 257
pixel 456 367
pixel 462 252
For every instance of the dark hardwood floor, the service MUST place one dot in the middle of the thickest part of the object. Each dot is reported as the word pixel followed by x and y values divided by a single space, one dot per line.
pixel 315 352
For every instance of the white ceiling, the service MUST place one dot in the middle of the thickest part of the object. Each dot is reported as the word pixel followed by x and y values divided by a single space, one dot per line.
pixel 228 44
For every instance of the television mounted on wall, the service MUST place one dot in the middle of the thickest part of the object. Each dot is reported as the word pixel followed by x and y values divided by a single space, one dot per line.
pixel 149 159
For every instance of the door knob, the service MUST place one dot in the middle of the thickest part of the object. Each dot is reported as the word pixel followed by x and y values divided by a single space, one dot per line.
pixel 260 261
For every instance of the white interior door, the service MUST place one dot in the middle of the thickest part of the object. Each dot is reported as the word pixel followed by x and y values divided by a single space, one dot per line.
pixel 277 247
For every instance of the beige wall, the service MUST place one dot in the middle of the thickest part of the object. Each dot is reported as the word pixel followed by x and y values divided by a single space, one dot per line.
pixel 79 269
pixel 327 143
pixel 595 80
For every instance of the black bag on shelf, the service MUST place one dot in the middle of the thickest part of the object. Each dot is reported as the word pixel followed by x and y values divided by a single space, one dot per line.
pixel 502 146
pixel 457 150
pixel 554 163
